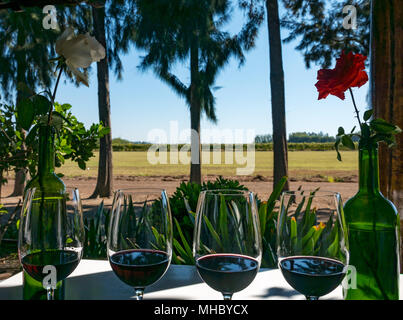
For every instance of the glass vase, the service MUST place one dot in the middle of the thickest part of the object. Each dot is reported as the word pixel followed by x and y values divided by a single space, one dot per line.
pixel 373 227
pixel 50 186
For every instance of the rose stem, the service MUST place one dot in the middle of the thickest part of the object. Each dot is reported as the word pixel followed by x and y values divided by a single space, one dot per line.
pixel 355 107
pixel 54 95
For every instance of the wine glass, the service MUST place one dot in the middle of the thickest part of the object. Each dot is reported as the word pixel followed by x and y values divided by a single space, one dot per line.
pixel 227 244
pixel 312 243
pixel 140 237
pixel 51 236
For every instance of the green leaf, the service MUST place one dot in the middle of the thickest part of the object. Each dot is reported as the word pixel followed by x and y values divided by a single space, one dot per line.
pixel 336 146
pixel 262 217
pixel 308 248
pixel 223 219
pixel 212 231
pixel 317 234
pixel 299 208
pixel 381 126
pixel 340 131
pixel 276 193
pixel 308 235
pixel 347 142
pixel 81 164
pixel 66 106
pixel 293 228
pixel 334 247
pixel 368 114
pixel 366 132
pixel 180 250
pixel 18 134
pixel 25 113
pixel 184 242
pixel 41 104
pixel 57 120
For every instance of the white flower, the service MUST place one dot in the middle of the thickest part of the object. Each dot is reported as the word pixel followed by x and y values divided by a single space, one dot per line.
pixel 79 51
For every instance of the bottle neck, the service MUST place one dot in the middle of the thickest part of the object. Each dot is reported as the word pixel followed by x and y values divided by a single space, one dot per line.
pixel 46 164
pixel 368 169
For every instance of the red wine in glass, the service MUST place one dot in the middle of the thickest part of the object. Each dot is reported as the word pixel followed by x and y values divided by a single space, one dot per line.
pixel 65 261
pixel 140 237
pixel 312 246
pixel 227 273
pixel 312 276
pixel 227 244
pixel 139 268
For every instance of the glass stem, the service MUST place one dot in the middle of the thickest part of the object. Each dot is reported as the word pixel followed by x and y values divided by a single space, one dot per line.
pixel 311 298
pixel 227 296
pixel 50 293
pixel 139 292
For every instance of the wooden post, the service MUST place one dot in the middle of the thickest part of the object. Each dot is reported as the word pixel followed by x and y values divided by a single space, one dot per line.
pixel 386 81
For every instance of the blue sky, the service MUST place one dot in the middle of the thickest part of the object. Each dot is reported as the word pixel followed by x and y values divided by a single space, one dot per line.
pixel 141 102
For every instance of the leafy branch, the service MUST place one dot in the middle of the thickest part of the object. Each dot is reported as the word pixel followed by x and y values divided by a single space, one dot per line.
pixel 372 132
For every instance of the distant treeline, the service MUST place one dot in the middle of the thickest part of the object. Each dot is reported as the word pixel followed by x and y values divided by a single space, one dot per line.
pixel 314 146
pixel 299 137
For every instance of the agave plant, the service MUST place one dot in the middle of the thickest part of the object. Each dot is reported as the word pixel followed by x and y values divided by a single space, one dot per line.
pixel 268 222
pixel 305 230
pixel 95 228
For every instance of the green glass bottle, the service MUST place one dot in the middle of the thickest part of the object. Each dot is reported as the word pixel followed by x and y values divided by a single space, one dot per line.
pixel 373 228
pixel 51 186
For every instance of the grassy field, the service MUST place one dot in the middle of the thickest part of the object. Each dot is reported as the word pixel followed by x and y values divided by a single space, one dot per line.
pixel 302 164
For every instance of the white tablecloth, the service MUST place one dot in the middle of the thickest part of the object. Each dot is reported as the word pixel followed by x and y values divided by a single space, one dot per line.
pixel 94 280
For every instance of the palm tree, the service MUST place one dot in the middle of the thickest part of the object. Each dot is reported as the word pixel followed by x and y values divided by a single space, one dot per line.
pixel 191 32
pixel 280 150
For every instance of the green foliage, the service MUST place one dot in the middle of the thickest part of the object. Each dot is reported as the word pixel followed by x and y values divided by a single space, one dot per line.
pixel 11 141
pixel 267 217
pixel 73 142
pixel 318 26
pixel 299 146
pixel 310 137
pixel 268 225
pixel 25 52
pixel 184 201
pixel 307 236
pixel 96 230
pixel 264 138
pixel 372 132
pixel 181 203
pixel 195 32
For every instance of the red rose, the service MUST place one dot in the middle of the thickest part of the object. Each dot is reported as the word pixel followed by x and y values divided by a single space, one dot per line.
pixel 349 72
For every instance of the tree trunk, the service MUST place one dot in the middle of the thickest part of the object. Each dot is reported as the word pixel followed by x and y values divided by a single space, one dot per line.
pixel 1 182
pixel 386 81
pixel 104 187
pixel 280 151
pixel 195 154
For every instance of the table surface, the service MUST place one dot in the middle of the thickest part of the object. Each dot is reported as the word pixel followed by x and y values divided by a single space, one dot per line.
pixel 95 280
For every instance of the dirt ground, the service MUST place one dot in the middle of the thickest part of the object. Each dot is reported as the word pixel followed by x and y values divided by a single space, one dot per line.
pixel 258 184
pixel 262 186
